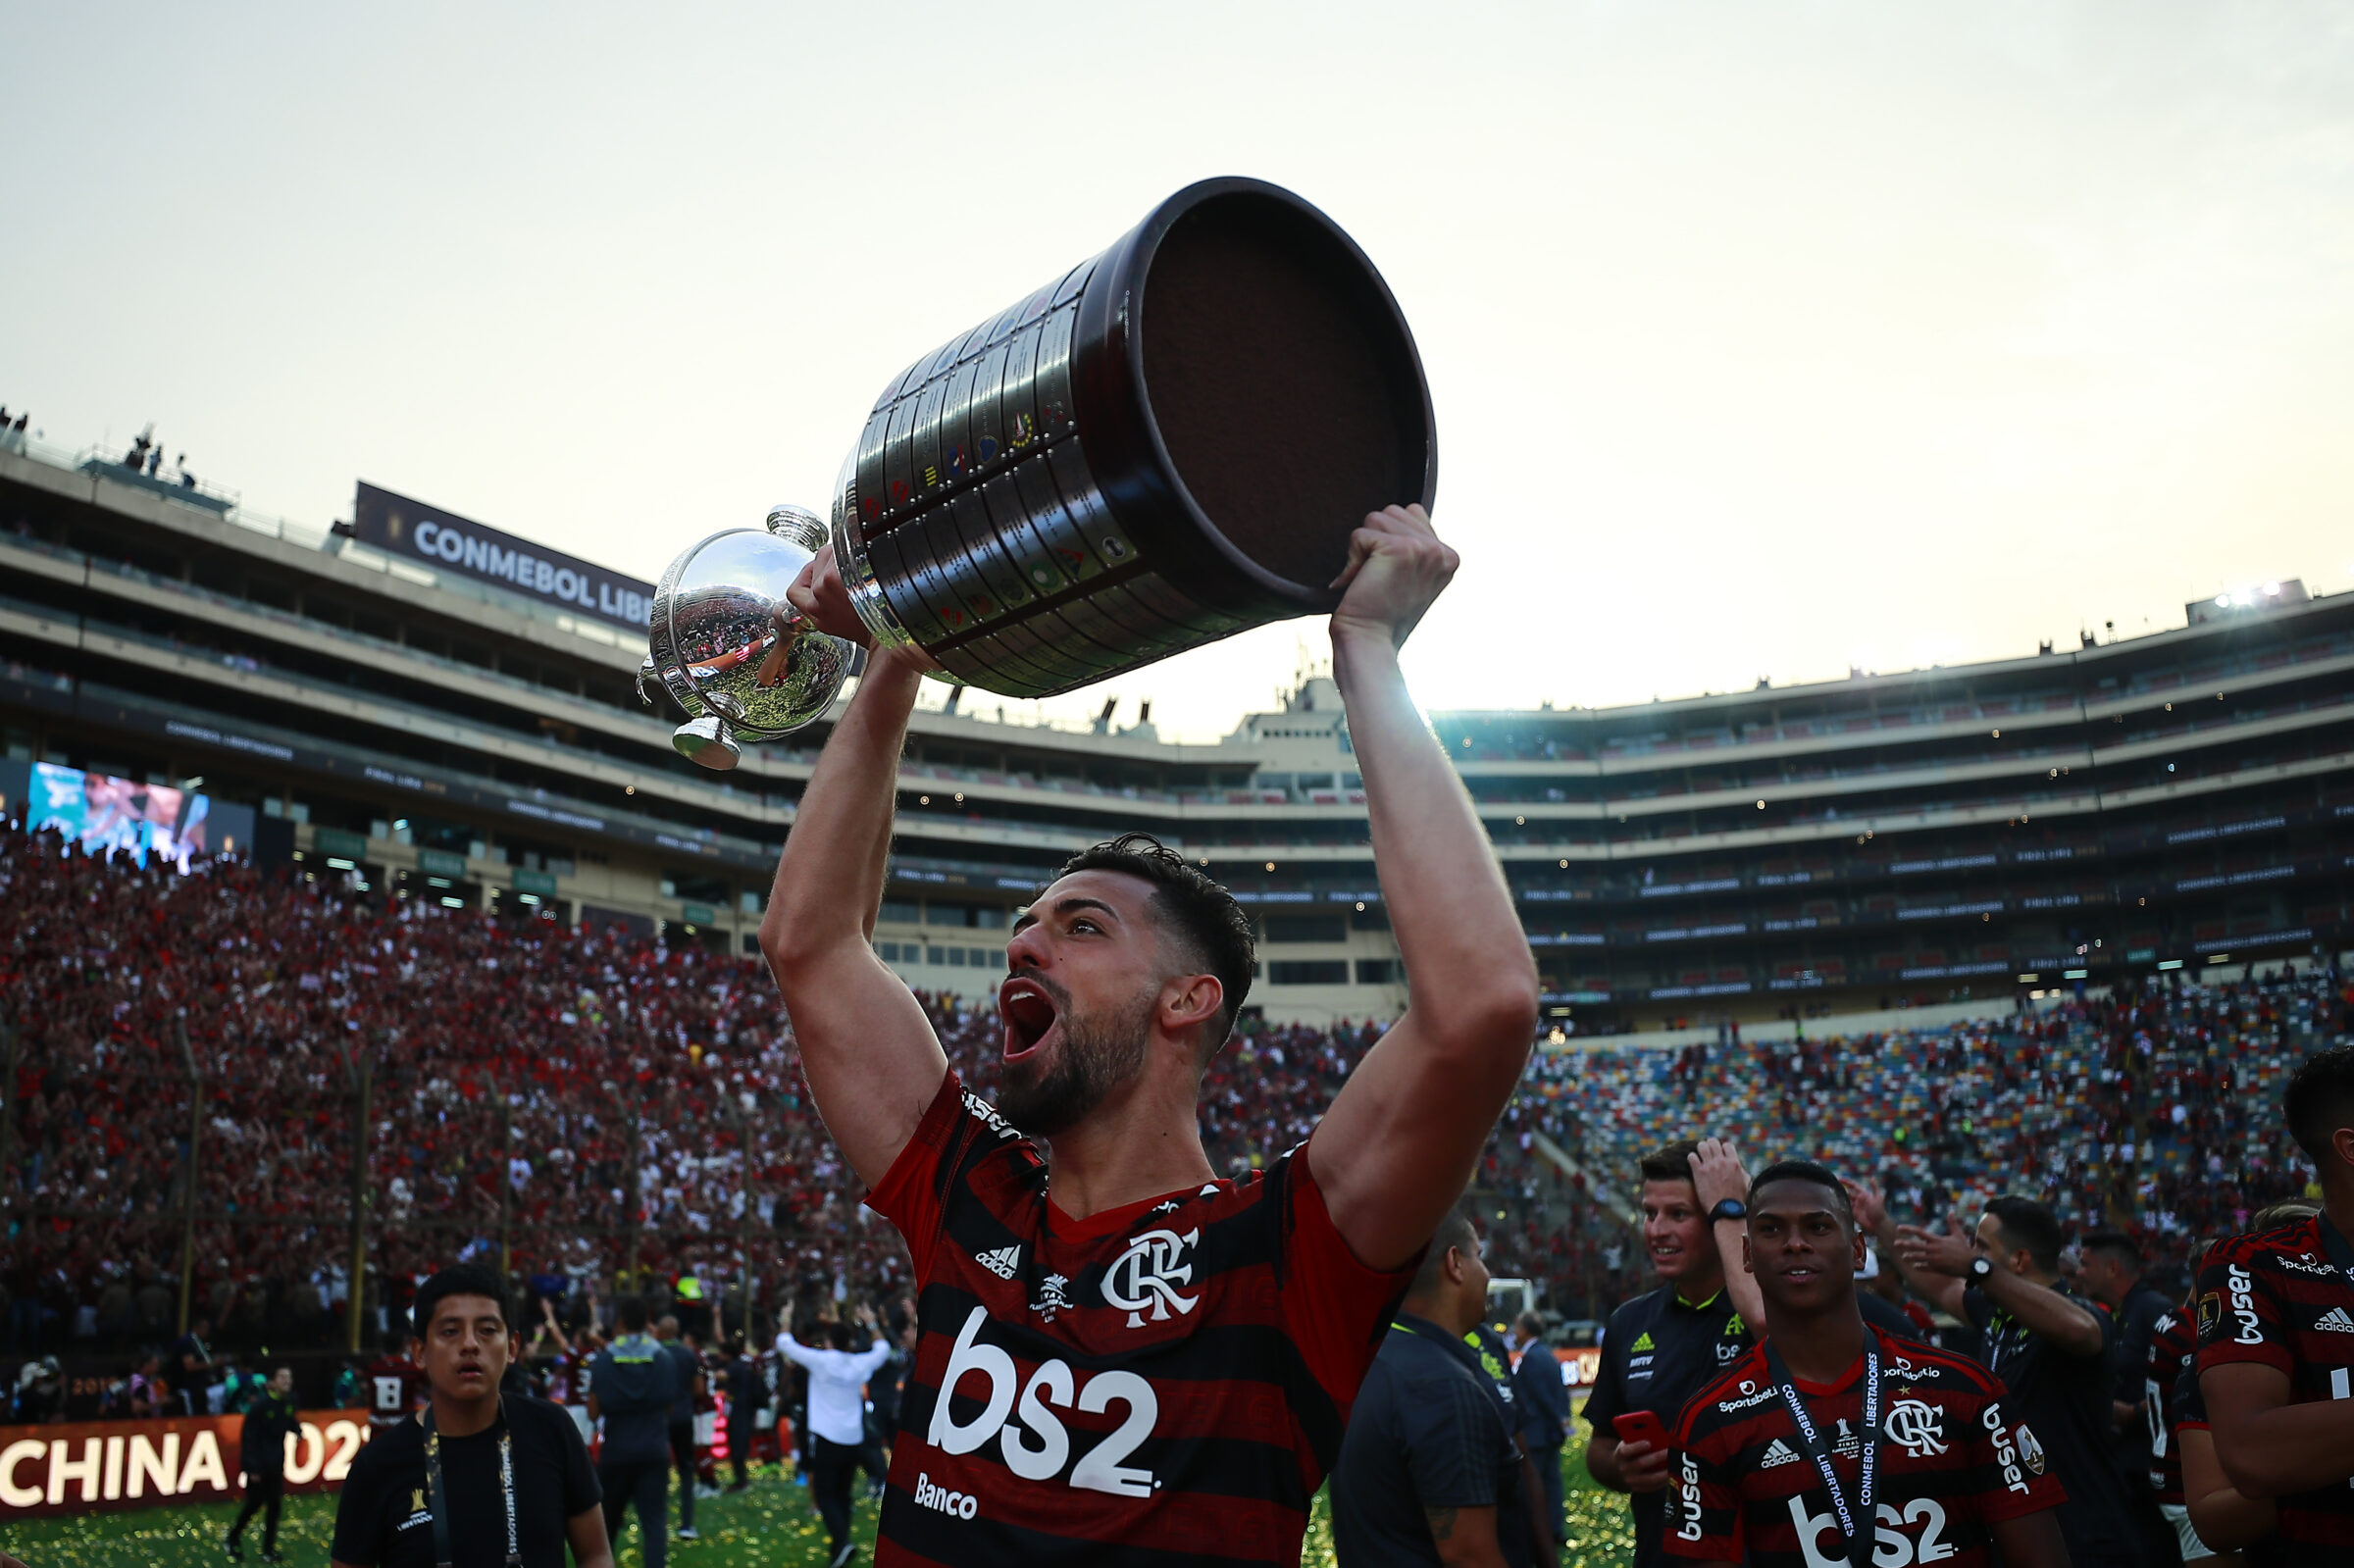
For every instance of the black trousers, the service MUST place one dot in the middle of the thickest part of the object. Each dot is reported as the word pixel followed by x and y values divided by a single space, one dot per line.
pixel 641 1482
pixel 681 1454
pixel 832 1467
pixel 740 1447
pixel 262 1492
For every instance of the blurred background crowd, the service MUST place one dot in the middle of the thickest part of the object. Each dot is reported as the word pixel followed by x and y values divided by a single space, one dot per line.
pixel 224 1092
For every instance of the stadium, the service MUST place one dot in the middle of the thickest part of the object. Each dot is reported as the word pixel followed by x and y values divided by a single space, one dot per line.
pixel 399 931
pixel 1285 902
pixel 375 705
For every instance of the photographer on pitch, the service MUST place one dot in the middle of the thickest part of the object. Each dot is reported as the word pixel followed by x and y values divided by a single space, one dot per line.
pixel 474 1480
pixel 2047 1345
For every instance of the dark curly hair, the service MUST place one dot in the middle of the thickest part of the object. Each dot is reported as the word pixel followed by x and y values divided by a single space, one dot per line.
pixel 1200 914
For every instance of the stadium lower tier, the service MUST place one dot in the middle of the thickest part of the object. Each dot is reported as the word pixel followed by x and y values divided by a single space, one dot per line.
pixel 232 1079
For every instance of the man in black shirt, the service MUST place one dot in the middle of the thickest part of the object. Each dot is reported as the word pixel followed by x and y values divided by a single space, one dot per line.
pixel 2109 1270
pixel 631 1385
pixel 747 1393
pixel 270 1420
pixel 2049 1347
pixel 687 1375
pixel 513 1474
pixel 1662 1348
pixel 1429 1469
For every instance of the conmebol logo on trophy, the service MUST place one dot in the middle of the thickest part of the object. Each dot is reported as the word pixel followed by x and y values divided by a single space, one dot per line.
pixel 1168 445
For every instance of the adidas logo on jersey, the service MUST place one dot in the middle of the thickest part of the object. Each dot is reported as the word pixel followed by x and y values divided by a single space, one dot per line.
pixel 1004 1261
pixel 2336 1321
pixel 1641 1344
pixel 1778 1454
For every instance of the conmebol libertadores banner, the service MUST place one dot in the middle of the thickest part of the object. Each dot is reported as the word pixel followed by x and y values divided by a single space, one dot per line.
pixel 412 531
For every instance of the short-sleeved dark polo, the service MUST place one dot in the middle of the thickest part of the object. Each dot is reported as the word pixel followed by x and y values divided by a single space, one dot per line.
pixel 2064 1400
pixel 1428 1432
pixel 1657 1351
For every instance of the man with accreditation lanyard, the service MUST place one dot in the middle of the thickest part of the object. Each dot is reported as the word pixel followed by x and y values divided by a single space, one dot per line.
pixel 1831 1443
pixel 472 1480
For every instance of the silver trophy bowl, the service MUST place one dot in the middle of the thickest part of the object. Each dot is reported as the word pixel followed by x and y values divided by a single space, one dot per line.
pixel 731 650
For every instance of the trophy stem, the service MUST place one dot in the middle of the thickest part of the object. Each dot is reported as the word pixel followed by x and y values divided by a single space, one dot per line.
pixel 708 742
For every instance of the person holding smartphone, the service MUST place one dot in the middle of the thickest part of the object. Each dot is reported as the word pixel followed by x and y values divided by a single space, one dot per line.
pixel 1663 1346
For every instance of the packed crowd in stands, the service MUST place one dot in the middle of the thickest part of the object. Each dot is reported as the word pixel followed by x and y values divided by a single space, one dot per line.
pixel 596 1106
pixel 2155 1112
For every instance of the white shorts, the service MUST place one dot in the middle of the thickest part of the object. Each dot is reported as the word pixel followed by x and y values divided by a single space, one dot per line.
pixel 2179 1515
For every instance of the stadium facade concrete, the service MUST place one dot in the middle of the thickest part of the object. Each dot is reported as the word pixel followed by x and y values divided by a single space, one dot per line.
pixel 2164 802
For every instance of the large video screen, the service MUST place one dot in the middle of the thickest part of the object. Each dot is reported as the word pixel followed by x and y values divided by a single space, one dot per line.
pixel 102 815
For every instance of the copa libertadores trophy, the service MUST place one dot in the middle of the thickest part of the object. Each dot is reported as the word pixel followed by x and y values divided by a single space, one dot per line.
pixel 1168 444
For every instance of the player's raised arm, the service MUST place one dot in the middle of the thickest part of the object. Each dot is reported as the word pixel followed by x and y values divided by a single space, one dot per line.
pixel 1402 1137
pixel 872 1059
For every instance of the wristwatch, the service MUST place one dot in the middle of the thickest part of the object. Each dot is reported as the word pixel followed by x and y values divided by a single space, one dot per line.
pixel 1731 1208
pixel 1979 1269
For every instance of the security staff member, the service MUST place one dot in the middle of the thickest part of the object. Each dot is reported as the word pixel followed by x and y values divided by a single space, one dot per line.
pixel 270 1420
pixel 1429 1469
pixel 1660 1349
pixel 631 1385
pixel 687 1374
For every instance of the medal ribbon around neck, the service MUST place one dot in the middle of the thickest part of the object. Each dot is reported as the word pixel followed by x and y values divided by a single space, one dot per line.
pixel 506 1488
pixel 1860 1527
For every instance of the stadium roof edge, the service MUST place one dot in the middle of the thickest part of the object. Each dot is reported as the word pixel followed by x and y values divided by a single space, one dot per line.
pixel 1892 679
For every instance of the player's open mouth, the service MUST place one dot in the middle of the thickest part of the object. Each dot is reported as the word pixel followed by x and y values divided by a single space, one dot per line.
pixel 1029 1013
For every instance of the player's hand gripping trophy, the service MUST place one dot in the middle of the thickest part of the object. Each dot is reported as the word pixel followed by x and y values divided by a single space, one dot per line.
pixel 1168 444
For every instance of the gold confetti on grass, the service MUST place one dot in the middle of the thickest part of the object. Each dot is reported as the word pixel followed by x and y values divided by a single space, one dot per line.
pixel 770 1525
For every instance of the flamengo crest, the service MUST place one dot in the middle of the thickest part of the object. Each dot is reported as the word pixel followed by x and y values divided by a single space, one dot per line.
pixel 1148 1275
pixel 1917 1425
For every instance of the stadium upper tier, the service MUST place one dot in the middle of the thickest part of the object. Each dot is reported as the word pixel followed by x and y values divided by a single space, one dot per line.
pixel 2174 800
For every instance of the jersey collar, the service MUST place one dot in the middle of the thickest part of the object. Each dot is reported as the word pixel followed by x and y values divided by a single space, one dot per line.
pixel 1845 1379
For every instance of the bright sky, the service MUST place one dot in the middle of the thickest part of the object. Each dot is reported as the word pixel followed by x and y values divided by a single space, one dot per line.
pixel 1764 337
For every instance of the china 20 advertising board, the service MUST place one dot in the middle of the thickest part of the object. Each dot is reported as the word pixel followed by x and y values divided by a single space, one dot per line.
pixel 72 1467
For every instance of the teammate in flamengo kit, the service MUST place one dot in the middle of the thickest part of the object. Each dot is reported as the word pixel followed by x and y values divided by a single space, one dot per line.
pixel 2277 1333
pixel 2173 1349
pixel 1123 1357
pixel 1760 1450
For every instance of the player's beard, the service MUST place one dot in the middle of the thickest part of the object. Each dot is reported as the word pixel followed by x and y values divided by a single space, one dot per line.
pixel 1098 1054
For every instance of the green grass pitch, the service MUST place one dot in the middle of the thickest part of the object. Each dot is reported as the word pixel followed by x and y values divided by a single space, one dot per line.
pixel 769 1526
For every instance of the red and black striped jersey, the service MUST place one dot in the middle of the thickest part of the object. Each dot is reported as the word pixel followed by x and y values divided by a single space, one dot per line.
pixel 1952 1465
pixel 2275 1299
pixel 1170 1378
pixel 396 1387
pixel 2174 1346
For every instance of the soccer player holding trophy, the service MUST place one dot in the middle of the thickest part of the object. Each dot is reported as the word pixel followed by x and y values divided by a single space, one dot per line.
pixel 1123 1356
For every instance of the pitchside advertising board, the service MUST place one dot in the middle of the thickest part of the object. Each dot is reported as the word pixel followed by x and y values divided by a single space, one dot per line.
pixel 103 1466
pixel 412 531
